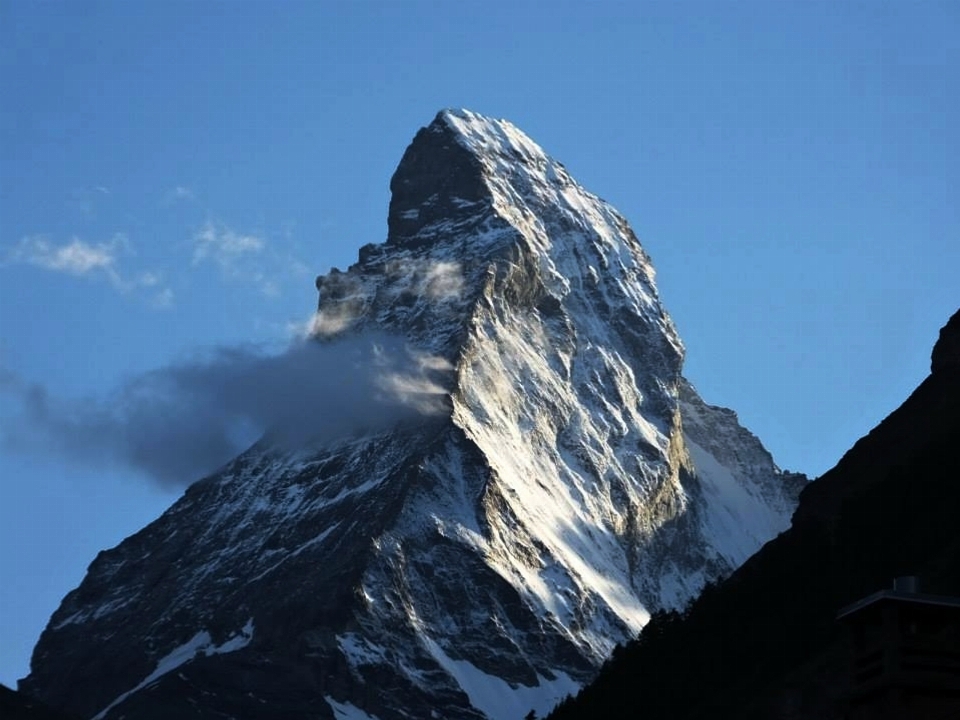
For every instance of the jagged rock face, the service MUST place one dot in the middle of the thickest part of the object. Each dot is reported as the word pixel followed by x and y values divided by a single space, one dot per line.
pixel 479 564
pixel 946 353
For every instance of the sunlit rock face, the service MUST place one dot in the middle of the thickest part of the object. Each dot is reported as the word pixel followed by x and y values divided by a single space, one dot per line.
pixel 481 561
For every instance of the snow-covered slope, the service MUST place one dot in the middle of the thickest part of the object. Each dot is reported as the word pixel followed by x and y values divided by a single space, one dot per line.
pixel 482 562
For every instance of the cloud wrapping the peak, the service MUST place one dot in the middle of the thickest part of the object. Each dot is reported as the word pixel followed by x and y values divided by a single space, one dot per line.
pixel 345 297
pixel 179 422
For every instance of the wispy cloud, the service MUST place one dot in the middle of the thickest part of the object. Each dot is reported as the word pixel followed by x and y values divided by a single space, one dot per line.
pixel 244 257
pixel 87 200
pixel 180 193
pixel 223 246
pixel 74 258
pixel 79 258
pixel 181 421
pixel 301 329
pixel 163 299
pixel 344 297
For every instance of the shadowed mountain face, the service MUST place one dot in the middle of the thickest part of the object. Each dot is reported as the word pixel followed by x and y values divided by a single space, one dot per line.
pixel 483 556
pixel 17 706
pixel 764 643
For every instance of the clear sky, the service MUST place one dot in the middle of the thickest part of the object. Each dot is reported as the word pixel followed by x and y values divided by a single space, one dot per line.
pixel 174 174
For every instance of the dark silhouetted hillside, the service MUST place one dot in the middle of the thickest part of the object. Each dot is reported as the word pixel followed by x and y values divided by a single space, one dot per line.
pixel 17 706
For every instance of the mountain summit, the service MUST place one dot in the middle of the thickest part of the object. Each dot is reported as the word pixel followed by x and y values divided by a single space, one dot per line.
pixel 480 562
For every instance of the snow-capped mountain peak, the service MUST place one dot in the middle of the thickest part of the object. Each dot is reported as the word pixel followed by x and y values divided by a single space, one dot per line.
pixel 481 563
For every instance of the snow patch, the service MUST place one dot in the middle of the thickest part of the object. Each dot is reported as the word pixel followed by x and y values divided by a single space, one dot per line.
pixel 346 711
pixel 498 699
pixel 199 644
pixel 737 521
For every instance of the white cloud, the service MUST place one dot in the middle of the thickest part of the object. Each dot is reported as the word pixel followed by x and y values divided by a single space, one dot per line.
pixel 83 259
pixel 246 258
pixel 224 247
pixel 75 258
pixel 442 281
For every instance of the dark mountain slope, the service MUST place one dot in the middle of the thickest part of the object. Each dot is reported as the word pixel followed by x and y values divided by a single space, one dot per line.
pixel 764 643
pixel 17 706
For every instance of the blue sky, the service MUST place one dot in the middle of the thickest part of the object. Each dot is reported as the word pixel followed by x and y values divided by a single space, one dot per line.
pixel 174 174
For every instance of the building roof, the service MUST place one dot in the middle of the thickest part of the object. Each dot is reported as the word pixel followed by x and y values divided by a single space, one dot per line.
pixel 900 596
